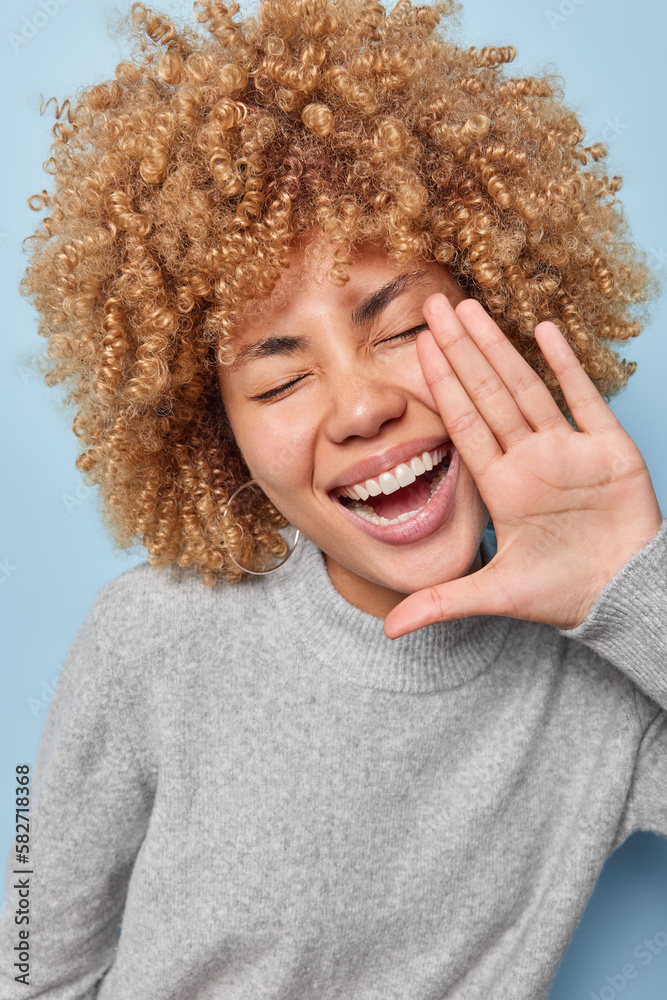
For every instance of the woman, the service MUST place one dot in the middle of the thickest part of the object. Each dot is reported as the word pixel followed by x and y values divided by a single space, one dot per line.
pixel 332 254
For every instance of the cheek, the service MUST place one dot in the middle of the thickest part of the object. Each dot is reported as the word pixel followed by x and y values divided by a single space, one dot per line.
pixel 284 463
pixel 471 505
pixel 412 378
pixel 268 443
pixel 275 450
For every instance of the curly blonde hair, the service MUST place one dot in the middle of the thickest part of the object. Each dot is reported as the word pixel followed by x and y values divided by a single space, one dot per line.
pixel 180 186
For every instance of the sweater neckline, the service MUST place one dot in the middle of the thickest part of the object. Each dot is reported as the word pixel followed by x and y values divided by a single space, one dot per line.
pixel 335 635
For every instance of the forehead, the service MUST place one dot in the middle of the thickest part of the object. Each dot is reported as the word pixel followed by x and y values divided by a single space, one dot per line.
pixel 306 287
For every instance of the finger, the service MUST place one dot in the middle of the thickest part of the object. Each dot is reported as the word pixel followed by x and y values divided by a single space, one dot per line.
pixel 484 386
pixel 587 406
pixel 471 595
pixel 471 435
pixel 531 395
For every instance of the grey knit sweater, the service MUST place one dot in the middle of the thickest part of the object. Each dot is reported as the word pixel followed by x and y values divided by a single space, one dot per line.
pixel 278 802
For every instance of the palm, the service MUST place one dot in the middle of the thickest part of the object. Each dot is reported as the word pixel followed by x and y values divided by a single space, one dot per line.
pixel 551 502
pixel 569 507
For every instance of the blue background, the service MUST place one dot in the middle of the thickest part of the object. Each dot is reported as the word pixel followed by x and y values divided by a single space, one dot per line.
pixel 54 556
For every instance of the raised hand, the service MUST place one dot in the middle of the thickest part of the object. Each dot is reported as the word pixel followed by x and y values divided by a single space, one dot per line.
pixel 569 507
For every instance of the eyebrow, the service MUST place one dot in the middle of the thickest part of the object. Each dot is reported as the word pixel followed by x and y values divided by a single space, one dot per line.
pixel 375 303
pixel 365 312
pixel 267 346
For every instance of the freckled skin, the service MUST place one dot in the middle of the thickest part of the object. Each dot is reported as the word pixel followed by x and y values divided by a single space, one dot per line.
pixel 359 393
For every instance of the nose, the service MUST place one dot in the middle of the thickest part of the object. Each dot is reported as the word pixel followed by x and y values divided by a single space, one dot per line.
pixel 360 403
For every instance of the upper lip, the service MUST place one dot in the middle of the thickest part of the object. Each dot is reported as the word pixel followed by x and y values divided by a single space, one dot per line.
pixel 389 459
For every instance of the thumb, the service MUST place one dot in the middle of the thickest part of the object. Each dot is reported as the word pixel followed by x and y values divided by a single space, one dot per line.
pixel 471 595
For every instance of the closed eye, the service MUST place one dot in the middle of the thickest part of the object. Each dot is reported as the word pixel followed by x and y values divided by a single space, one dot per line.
pixel 272 393
pixel 407 333
pixel 279 390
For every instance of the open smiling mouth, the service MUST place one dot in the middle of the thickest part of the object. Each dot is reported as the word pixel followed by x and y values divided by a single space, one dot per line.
pixel 401 492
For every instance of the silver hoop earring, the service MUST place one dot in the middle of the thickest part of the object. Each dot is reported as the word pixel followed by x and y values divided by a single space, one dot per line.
pixel 272 569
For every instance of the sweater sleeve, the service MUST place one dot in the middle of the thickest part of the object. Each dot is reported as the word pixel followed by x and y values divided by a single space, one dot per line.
pixel 89 808
pixel 627 627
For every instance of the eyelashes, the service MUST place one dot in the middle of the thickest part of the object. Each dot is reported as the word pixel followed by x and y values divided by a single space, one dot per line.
pixel 281 389
pixel 272 393
pixel 407 333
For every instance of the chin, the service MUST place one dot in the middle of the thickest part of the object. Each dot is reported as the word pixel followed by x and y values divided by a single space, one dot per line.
pixel 407 572
pixel 429 576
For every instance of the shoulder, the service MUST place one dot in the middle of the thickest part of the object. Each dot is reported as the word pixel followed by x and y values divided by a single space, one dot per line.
pixel 144 609
pixel 152 642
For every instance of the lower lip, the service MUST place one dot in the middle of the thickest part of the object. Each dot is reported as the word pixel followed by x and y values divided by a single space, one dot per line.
pixel 429 519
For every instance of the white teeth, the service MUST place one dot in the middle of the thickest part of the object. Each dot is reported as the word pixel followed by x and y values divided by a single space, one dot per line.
pixel 369 514
pixel 396 478
pixel 363 510
pixel 437 482
pixel 402 517
pixel 388 483
pixel 404 475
